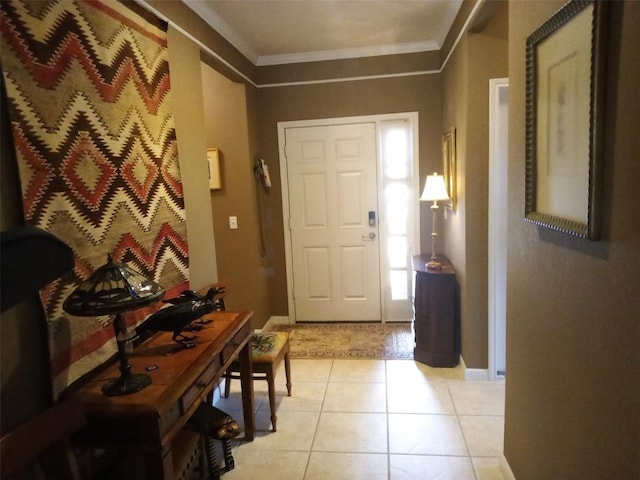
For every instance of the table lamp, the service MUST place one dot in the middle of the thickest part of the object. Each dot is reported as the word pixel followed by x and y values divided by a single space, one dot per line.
pixel 114 289
pixel 434 191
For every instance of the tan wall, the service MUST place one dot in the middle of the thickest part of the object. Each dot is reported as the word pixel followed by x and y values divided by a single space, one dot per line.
pixel 238 251
pixel 416 93
pixel 184 57
pixel 573 329
pixel 480 56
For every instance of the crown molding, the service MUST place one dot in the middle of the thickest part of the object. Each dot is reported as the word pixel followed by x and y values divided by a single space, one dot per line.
pixel 346 53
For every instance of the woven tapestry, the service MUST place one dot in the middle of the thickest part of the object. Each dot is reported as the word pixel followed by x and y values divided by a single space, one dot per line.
pixel 88 89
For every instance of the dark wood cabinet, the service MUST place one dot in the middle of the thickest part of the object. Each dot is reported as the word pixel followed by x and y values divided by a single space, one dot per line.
pixel 436 317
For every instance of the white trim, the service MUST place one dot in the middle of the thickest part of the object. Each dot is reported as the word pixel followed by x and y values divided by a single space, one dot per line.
pixel 463 30
pixel 226 32
pixel 145 4
pixel 497 225
pixel 474 374
pixel 413 117
pixel 209 15
pixel 349 79
pixel 277 320
pixel 506 468
pixel 347 53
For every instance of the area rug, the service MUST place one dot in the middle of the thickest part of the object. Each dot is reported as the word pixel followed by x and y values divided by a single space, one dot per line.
pixel 347 340
pixel 90 109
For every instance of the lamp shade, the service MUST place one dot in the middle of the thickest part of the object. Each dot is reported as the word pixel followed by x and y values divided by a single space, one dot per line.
pixel 434 189
pixel 112 288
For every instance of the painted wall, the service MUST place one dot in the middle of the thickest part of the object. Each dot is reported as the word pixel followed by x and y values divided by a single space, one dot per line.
pixel 419 93
pixel 184 57
pixel 573 329
pixel 239 252
pixel 480 56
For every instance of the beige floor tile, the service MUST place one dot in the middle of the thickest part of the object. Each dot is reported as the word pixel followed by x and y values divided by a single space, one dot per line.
pixel 306 370
pixel 484 434
pixel 421 467
pixel 345 415
pixel 356 397
pixel 305 397
pixel 295 431
pixel 253 465
pixel 425 434
pixel 477 398
pixel 358 371
pixel 419 398
pixel 488 468
pixel 454 373
pixel 411 371
pixel 347 466
pixel 351 432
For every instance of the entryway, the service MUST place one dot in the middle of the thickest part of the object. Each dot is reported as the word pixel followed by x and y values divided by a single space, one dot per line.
pixel 350 204
pixel 498 212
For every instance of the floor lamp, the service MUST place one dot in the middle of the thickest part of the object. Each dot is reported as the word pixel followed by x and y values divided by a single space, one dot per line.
pixel 434 191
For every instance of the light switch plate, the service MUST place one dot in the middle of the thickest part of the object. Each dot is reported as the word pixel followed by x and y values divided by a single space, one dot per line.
pixel 233 223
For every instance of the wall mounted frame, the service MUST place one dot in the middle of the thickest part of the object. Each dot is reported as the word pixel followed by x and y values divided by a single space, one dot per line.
pixel 213 157
pixel 449 164
pixel 564 119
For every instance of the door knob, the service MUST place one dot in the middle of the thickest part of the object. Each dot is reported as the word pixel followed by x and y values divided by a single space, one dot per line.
pixel 369 237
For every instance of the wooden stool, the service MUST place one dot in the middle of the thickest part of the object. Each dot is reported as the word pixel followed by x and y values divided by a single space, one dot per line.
pixel 268 350
pixel 212 423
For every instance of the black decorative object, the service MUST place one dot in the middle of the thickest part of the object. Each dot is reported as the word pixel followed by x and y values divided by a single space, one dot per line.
pixel 30 258
pixel 113 289
pixel 179 316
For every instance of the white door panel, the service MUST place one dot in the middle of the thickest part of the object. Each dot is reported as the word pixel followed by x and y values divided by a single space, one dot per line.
pixel 332 187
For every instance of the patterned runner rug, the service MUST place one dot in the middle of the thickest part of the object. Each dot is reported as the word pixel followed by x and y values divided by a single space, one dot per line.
pixel 348 340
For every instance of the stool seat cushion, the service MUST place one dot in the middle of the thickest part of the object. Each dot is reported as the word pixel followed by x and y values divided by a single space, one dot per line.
pixel 267 345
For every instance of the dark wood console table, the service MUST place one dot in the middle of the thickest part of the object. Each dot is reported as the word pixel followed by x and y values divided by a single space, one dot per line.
pixel 436 314
pixel 151 419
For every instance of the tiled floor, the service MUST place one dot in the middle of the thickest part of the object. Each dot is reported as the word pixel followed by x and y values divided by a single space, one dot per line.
pixel 372 419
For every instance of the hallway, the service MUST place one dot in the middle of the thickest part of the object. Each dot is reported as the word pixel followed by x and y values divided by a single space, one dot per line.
pixel 373 419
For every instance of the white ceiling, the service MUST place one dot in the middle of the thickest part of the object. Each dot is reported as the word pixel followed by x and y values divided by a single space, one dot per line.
pixel 270 32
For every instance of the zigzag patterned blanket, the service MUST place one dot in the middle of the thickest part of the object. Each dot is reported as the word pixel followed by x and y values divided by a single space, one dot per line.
pixel 88 88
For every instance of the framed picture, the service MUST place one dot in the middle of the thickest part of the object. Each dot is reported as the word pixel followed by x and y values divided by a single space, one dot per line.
pixel 449 164
pixel 564 106
pixel 215 182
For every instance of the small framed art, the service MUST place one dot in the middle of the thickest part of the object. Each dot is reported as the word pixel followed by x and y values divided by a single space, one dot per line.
pixel 215 182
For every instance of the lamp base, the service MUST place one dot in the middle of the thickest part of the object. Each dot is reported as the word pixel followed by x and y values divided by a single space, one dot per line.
pixel 434 265
pixel 126 384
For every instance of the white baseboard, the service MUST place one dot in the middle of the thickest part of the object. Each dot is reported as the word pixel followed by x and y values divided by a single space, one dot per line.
pixel 506 469
pixel 276 321
pixel 474 374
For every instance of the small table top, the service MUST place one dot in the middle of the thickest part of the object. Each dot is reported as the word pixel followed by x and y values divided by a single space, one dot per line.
pixel 179 376
pixel 420 264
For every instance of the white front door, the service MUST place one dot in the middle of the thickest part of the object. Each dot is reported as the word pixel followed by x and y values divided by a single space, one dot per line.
pixel 332 186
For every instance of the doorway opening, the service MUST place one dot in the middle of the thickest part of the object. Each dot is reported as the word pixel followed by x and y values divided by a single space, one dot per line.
pixel 327 172
pixel 498 213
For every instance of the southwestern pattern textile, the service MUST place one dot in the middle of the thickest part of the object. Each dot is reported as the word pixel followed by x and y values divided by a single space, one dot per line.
pixel 88 89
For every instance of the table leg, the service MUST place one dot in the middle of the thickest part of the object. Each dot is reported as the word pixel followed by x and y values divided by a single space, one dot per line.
pixel 246 381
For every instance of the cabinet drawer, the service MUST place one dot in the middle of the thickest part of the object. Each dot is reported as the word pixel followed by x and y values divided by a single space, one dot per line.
pixel 199 385
pixel 234 343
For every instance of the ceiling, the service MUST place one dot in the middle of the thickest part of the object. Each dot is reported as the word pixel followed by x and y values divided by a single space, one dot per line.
pixel 271 32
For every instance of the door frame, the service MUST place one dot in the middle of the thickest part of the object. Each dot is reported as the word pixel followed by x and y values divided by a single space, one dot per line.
pixel 284 180
pixel 498 213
